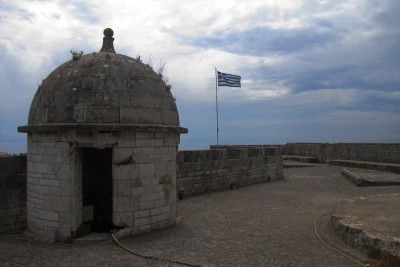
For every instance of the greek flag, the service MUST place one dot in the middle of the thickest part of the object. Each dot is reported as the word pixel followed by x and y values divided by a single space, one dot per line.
pixel 225 79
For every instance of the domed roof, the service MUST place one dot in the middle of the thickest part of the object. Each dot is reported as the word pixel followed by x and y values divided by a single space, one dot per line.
pixel 103 91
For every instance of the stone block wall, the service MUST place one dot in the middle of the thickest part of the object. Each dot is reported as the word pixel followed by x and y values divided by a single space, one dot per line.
pixel 376 152
pixel 12 194
pixel 314 150
pixel 144 174
pixel 53 182
pixel 389 153
pixel 146 170
pixel 143 180
pixel 220 169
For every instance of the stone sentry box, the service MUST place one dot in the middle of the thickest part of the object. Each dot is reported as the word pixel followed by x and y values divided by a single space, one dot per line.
pixel 103 133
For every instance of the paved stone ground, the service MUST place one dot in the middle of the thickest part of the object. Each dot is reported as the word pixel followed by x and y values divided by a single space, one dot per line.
pixel 268 224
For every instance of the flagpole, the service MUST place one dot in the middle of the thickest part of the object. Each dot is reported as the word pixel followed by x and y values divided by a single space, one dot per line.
pixel 216 103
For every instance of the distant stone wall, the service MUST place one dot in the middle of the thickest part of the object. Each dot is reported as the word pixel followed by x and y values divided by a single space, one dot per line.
pixel 376 152
pixel 315 150
pixel 12 194
pixel 220 169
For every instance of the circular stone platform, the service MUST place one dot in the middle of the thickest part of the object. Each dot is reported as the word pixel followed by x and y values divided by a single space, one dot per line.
pixel 371 224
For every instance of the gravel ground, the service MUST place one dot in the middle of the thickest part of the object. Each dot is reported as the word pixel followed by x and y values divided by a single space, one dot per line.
pixel 269 224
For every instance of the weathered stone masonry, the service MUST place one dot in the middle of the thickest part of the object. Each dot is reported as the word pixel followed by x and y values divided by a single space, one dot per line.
pixel 325 152
pixel 103 131
pixel 149 189
pixel 144 187
pixel 12 194
pixel 220 169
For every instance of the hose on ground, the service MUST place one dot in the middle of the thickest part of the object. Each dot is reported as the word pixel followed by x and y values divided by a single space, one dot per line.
pixel 328 246
pixel 150 257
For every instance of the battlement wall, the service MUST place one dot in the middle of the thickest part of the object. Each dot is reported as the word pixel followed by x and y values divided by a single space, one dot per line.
pixel 325 152
pixel 12 194
pixel 202 171
pixel 198 171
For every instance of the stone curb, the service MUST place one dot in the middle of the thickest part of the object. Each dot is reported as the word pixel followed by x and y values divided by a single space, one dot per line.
pixel 354 178
pixel 359 180
pixel 352 231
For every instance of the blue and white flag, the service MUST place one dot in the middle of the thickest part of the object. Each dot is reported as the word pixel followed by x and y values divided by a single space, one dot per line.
pixel 225 79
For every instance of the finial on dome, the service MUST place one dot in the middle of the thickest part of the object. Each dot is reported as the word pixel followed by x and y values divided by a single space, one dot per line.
pixel 108 45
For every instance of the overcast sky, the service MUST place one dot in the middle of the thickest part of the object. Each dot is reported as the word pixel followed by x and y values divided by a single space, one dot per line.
pixel 319 71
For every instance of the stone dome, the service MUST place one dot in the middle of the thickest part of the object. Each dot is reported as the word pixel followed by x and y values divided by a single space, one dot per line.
pixel 103 91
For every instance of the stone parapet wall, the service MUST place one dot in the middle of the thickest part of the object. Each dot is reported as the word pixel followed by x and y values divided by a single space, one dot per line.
pixel 314 150
pixel 197 172
pixel 205 171
pixel 376 152
pixel 12 194
pixel 389 153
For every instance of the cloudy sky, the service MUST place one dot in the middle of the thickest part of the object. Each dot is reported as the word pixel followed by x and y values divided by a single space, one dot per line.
pixel 320 71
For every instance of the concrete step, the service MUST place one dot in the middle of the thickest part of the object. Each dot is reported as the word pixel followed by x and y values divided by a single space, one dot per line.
pixel 371 178
pixel 377 166
pixel 301 159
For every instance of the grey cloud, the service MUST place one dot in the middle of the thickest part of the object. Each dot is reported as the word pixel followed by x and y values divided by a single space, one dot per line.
pixel 350 50
pixel 264 41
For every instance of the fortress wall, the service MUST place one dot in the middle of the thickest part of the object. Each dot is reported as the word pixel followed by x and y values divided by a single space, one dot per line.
pixel 384 152
pixel 314 150
pixel 12 194
pixel 204 171
pixel 303 149
pixel 377 152
pixel 197 172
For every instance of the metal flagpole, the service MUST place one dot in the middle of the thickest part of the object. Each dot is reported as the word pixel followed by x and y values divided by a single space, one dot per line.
pixel 216 102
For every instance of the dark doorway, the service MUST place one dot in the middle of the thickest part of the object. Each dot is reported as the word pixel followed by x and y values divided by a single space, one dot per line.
pixel 97 188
